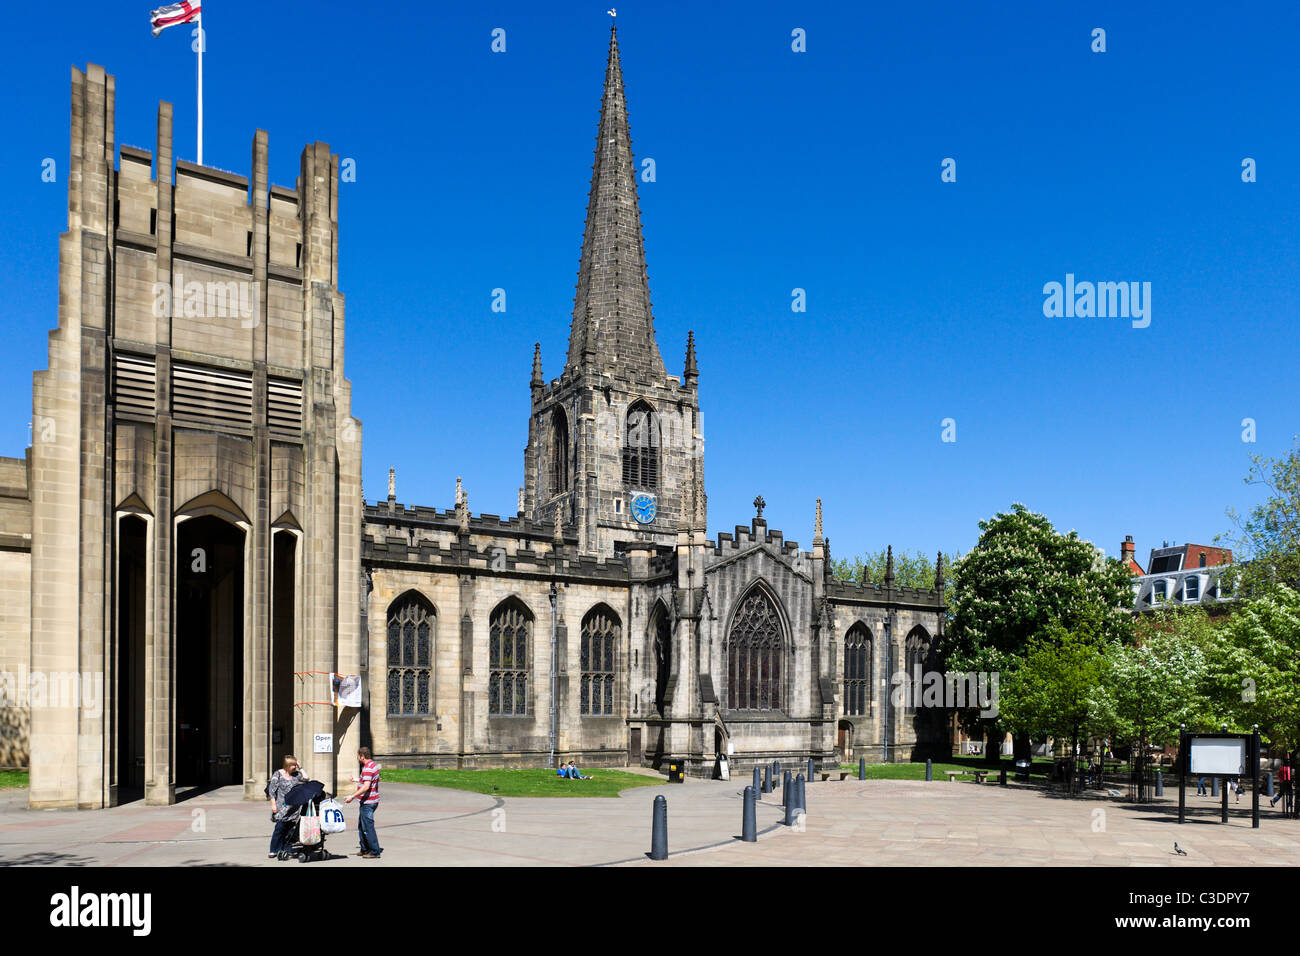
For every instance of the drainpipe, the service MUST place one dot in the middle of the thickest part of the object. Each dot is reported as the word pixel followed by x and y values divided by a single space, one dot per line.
pixel 888 684
pixel 554 676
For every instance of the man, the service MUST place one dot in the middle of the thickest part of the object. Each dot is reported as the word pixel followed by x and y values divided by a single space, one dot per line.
pixel 368 793
pixel 1284 785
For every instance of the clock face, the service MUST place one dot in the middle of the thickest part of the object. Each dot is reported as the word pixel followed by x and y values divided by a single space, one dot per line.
pixel 644 508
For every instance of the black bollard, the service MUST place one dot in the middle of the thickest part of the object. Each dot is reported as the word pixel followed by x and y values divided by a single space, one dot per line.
pixel 785 780
pixel 1160 783
pixel 785 796
pixel 812 769
pixel 758 784
pixel 929 770
pixel 790 811
pixel 767 779
pixel 776 769
pixel 1002 776
pixel 800 794
pixel 1214 786
pixel 659 830
pixel 748 826
pixel 1268 784
pixel 862 768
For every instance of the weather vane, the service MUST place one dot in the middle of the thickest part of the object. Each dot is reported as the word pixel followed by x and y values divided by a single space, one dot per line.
pixel 612 13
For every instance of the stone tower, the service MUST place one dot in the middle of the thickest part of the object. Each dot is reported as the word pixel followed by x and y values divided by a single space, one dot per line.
pixel 195 475
pixel 614 444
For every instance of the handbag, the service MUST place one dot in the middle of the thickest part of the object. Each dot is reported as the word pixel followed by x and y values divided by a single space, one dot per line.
pixel 331 817
pixel 309 827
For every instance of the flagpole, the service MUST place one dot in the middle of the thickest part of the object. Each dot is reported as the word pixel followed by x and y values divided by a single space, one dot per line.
pixel 203 41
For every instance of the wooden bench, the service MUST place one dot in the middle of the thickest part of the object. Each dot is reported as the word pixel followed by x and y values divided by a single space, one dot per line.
pixel 826 774
pixel 954 774
pixel 979 775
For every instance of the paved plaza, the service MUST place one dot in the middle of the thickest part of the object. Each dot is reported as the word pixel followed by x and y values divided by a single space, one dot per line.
pixel 873 823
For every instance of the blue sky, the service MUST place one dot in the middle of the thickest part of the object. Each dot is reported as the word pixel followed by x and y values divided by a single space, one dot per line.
pixel 775 170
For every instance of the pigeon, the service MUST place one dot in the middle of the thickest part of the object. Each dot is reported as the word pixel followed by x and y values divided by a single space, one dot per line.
pixel 1179 850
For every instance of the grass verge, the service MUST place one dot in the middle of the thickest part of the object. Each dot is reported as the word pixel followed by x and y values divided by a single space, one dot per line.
pixel 519 782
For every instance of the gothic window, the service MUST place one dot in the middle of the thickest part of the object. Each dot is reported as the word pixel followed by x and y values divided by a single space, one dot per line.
pixel 641 448
pixel 600 630
pixel 754 655
pixel 559 452
pixel 410 656
pixel 509 647
pixel 916 651
pixel 663 655
pixel 857 670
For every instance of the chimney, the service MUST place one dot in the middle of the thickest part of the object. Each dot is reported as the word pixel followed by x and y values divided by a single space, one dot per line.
pixel 1128 549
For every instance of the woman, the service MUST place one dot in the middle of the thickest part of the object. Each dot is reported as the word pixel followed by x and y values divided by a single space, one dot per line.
pixel 284 817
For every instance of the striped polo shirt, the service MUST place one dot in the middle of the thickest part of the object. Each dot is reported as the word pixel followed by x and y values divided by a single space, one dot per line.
pixel 370 777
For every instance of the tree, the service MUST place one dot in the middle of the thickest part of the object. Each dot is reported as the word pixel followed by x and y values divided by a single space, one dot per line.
pixel 1020 578
pixel 1057 689
pixel 1269 536
pixel 1156 685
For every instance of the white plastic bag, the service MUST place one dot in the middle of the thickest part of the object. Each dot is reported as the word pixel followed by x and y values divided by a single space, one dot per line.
pixel 331 817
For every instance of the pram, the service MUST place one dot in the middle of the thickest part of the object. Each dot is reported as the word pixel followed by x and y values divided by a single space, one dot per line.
pixel 309 796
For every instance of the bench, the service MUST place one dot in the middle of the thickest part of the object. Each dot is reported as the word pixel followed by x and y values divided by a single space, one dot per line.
pixel 954 774
pixel 826 774
pixel 979 775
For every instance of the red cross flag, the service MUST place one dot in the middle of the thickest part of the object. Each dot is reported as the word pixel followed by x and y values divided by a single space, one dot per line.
pixel 171 15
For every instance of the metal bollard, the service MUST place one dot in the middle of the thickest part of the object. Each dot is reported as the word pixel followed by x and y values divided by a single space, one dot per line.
pixel 1160 783
pixel 1214 786
pixel 776 769
pixel 767 779
pixel 785 780
pixel 758 784
pixel 748 826
pixel 659 830
pixel 862 768
pixel 790 811
pixel 800 794
pixel 1002 777
pixel 1268 784
pixel 812 769
pixel 929 770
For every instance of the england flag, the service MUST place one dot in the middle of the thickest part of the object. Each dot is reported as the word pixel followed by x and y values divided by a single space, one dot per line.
pixel 171 15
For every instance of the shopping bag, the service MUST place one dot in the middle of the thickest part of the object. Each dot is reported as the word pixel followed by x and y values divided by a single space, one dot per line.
pixel 309 827
pixel 331 817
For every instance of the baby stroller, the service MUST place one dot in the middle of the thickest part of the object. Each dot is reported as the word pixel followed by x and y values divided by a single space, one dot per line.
pixel 309 796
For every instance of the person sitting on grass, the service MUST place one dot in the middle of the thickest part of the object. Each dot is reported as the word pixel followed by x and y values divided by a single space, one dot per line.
pixel 562 770
pixel 574 774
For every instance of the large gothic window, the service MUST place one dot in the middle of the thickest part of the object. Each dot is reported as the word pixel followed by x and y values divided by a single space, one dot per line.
pixel 600 630
pixel 754 655
pixel 641 448
pixel 509 632
pixel 559 473
pixel 662 630
pixel 410 656
pixel 916 653
pixel 857 670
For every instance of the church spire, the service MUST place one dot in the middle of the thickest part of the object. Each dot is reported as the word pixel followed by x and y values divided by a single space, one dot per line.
pixel 612 323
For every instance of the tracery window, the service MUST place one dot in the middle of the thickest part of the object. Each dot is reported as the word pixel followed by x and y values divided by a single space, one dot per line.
pixel 916 652
pixel 754 650
pixel 641 448
pixel 410 656
pixel 600 630
pixel 857 670
pixel 509 632
pixel 663 655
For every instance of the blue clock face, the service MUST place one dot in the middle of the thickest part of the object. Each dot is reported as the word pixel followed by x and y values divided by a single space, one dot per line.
pixel 644 508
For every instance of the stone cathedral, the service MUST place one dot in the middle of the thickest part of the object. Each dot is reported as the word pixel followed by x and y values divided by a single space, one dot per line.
pixel 187 539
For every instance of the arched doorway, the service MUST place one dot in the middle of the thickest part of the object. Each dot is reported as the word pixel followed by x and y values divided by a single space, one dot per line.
pixel 209 652
pixel 844 740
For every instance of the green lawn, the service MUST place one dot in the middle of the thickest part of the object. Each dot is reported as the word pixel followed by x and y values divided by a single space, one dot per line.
pixel 524 782
pixel 916 771
pixel 12 778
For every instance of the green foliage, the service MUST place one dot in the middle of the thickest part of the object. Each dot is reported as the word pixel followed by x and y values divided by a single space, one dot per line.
pixel 1056 691
pixel 1268 537
pixel 1022 577
pixel 1153 687
pixel 910 570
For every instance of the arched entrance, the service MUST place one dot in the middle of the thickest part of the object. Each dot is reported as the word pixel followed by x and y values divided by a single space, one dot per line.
pixel 132 540
pixel 209 652
pixel 844 740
